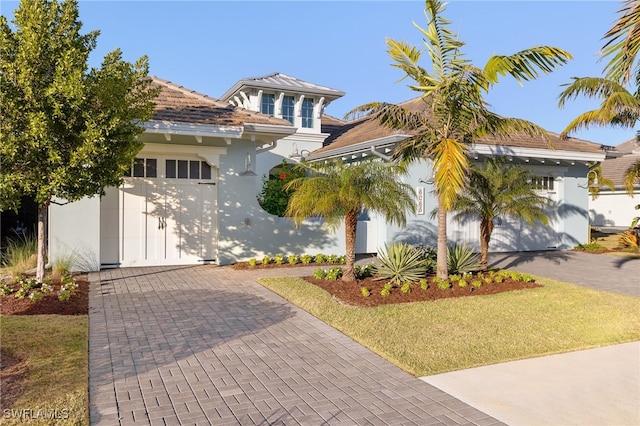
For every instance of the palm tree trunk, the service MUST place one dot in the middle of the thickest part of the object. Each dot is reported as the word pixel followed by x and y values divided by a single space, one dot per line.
pixel 486 229
pixel 350 226
pixel 442 271
pixel 41 255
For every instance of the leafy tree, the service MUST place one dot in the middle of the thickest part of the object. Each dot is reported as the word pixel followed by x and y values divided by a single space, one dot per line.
pixel 339 191
pixel 273 197
pixel 455 112
pixel 619 100
pixel 496 189
pixel 67 132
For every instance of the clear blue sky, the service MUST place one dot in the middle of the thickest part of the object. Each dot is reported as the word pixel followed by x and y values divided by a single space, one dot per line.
pixel 209 45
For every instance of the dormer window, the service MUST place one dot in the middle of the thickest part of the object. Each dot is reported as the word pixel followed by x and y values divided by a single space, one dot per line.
pixel 268 103
pixel 288 108
pixel 307 113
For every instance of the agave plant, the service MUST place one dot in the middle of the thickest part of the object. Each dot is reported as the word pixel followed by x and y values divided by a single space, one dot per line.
pixel 400 263
pixel 462 259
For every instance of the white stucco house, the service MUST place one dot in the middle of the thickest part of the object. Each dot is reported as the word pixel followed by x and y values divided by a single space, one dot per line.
pixel 617 207
pixel 190 197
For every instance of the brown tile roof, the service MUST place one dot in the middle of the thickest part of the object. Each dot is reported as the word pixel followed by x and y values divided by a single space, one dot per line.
pixel 628 147
pixel 615 168
pixel 366 129
pixel 330 124
pixel 178 104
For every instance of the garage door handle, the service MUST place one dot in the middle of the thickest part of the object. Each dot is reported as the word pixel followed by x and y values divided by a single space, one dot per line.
pixel 206 183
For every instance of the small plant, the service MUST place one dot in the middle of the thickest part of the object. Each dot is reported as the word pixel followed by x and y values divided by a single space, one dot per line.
pixel 279 259
pixel 20 254
pixel 591 247
pixel 319 274
pixel 454 277
pixel 334 273
pixel 62 264
pixel 442 283
pixel 386 290
pixel 46 288
pixel 424 284
pixel 476 283
pixel 5 290
pixel 406 287
pixel 364 271
pixel 333 259
pixel 462 283
pixel 628 239
pixel 321 258
pixel 294 259
pixel 428 255
pixel 67 289
pixel 266 260
pixel 365 292
pixel 306 259
pixel 462 259
pixel 399 262
pixel 498 279
pixel 26 285
pixel 36 296
pixel 253 262
pixel 342 259
pixel 487 279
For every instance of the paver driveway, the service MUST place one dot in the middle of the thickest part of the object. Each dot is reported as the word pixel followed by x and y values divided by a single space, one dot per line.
pixel 207 345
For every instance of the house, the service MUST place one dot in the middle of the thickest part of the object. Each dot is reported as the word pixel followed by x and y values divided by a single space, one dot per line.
pixel 190 196
pixel 616 207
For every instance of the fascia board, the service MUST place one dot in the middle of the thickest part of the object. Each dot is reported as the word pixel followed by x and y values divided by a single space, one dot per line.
pixel 243 84
pixel 555 154
pixel 269 129
pixel 167 127
pixel 359 147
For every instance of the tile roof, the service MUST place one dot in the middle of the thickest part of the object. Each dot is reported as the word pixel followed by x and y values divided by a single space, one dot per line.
pixel 366 129
pixel 285 83
pixel 330 124
pixel 629 147
pixel 176 103
pixel 615 168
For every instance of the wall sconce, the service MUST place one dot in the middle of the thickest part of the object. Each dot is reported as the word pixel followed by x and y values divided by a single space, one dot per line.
pixel 594 184
pixel 298 155
pixel 248 168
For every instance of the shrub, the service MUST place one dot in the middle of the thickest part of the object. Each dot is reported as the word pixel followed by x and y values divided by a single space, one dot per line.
pixel 5 290
pixel 429 255
pixel 253 262
pixel 334 273
pixel 20 254
pixel 399 263
pixel 279 259
pixel 386 290
pixel 424 284
pixel 462 283
pixel 406 287
pixel 365 292
pixel 293 259
pixel 306 259
pixel 333 259
pixel 319 274
pixel 321 258
pixel 462 259
pixel 62 264
pixel 476 283
pixel 67 289
pixel 442 283
pixel 266 260
pixel 628 239
pixel 364 271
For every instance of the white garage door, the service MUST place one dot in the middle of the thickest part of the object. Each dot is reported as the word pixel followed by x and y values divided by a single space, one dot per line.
pixel 168 213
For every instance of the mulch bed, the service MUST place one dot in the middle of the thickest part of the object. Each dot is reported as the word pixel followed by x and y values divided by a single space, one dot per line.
pixel 350 293
pixel 78 304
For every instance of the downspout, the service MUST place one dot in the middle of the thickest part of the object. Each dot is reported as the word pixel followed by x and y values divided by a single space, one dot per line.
pixel 379 154
pixel 269 147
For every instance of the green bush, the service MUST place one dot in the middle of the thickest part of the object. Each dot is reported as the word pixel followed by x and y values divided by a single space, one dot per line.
pixel 306 259
pixel 321 258
pixel 399 263
pixel 334 273
pixel 365 292
pixel 406 288
pixel 424 284
pixel 462 259
pixel 273 197
pixel 386 290
pixel 279 259
pixel 319 274
pixel 20 254
pixel 476 283
pixel 442 283
pixel 364 271
pixel 429 255
pixel 293 259
pixel 266 260
pixel 253 262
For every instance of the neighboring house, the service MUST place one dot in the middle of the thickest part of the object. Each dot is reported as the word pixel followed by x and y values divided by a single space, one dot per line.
pixel 190 197
pixel 617 207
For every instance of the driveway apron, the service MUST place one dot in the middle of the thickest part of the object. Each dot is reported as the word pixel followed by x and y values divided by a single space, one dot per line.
pixel 208 345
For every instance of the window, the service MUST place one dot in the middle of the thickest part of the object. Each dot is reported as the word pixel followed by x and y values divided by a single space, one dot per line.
pixel 287 108
pixel 184 169
pixel 307 113
pixel 268 102
pixel 143 167
pixel 543 183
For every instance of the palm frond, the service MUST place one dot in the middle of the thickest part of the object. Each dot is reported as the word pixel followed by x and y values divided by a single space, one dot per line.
pixel 590 87
pixel 623 43
pixel 527 64
pixel 450 164
pixel 587 119
pixel 442 44
pixel 631 177
pixel 505 127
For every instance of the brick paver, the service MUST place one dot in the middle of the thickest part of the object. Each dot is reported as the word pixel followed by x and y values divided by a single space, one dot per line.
pixel 207 345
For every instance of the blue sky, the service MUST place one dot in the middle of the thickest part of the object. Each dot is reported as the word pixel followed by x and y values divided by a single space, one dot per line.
pixel 209 45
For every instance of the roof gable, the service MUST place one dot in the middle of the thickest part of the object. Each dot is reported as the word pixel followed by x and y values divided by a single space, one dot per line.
pixel 285 83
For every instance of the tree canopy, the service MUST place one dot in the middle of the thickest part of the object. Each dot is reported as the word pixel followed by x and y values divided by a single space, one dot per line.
pixel 66 131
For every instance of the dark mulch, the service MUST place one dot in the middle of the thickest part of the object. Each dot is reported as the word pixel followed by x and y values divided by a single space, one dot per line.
pixel 78 304
pixel 351 294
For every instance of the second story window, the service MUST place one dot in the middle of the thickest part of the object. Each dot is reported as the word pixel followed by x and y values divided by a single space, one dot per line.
pixel 267 104
pixel 307 113
pixel 287 108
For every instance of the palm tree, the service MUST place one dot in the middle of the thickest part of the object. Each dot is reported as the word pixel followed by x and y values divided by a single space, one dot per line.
pixel 455 112
pixel 493 190
pixel 337 190
pixel 618 105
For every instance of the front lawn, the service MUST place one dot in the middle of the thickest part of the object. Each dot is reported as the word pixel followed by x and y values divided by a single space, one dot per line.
pixel 426 338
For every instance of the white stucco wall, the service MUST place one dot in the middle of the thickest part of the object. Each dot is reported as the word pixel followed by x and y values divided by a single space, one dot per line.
pixel 615 208
pixel 74 232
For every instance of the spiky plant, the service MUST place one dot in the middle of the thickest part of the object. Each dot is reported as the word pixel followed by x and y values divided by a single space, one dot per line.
pixel 400 263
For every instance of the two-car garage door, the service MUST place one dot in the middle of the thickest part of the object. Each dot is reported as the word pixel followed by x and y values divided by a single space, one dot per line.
pixel 167 209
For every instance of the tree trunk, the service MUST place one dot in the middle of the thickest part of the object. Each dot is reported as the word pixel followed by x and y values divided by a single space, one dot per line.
pixel 41 256
pixel 486 229
pixel 442 270
pixel 350 226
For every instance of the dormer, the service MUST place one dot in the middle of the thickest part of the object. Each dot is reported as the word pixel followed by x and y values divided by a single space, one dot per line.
pixel 282 96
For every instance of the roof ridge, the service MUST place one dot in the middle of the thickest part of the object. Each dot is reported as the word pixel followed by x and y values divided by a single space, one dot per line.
pixel 186 90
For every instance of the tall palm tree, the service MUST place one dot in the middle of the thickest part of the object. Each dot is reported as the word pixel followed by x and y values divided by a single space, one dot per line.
pixel 338 191
pixel 455 112
pixel 495 189
pixel 619 106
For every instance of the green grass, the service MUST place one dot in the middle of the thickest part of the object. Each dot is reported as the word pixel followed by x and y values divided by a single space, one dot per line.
pixel 428 338
pixel 55 348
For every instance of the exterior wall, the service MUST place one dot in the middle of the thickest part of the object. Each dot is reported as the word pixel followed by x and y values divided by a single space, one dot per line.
pixel 246 230
pixel 74 231
pixel 615 208
pixel 573 210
